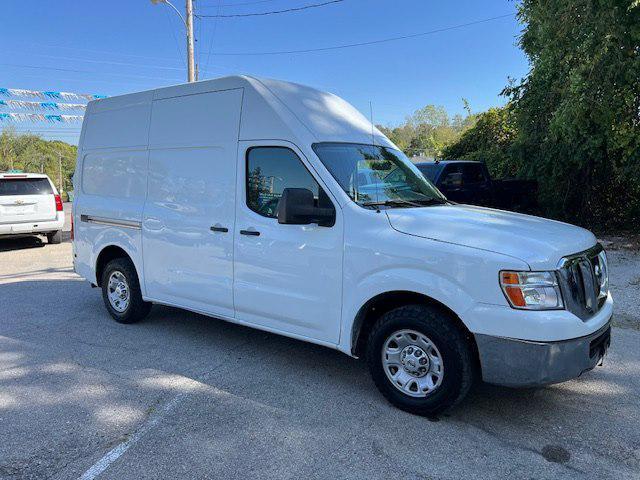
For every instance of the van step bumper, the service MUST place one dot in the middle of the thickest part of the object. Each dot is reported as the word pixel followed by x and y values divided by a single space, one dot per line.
pixel 521 363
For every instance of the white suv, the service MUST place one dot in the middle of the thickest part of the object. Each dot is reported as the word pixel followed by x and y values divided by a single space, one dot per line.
pixel 30 204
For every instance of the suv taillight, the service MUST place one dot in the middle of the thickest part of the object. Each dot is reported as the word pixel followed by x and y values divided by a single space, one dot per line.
pixel 58 203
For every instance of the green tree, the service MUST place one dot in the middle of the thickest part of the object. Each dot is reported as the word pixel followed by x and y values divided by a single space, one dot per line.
pixel 429 130
pixel 431 115
pixel 573 123
pixel 31 153
pixel 489 140
pixel 578 110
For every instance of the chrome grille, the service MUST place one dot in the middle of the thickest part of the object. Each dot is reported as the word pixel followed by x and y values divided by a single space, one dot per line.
pixel 584 281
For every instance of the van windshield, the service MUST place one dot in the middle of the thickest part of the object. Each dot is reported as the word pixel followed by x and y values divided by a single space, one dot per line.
pixel 375 176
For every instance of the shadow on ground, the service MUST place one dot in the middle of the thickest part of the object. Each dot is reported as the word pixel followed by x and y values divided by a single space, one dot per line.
pixel 8 244
pixel 76 383
pixel 23 242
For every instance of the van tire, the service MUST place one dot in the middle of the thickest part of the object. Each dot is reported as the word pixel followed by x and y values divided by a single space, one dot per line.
pixel 452 344
pixel 55 237
pixel 137 308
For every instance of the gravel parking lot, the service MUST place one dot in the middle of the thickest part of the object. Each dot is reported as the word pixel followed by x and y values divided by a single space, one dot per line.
pixel 185 396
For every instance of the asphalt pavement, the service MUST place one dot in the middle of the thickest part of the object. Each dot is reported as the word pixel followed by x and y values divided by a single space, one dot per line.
pixel 185 396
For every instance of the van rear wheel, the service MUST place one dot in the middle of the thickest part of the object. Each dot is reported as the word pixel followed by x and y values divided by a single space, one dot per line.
pixel 121 292
pixel 420 360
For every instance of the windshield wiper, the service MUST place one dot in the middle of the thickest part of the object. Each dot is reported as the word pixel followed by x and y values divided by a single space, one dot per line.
pixel 432 201
pixel 391 203
pixel 407 203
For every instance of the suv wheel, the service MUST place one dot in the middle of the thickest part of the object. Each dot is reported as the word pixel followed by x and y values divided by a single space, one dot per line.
pixel 420 360
pixel 121 292
pixel 54 237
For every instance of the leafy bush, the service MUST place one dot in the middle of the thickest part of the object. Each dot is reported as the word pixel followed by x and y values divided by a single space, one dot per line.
pixel 489 140
pixel 574 122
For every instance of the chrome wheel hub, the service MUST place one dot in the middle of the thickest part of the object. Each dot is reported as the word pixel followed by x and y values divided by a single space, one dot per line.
pixel 118 291
pixel 412 363
pixel 414 360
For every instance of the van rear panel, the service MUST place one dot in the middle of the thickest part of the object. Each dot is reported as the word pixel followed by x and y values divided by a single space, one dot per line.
pixel 165 167
pixel 111 180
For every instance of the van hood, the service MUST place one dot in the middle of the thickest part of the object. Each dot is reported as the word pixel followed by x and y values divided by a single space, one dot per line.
pixel 538 241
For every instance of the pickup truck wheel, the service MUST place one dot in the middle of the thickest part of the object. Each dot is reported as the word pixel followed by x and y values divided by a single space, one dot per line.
pixel 420 360
pixel 121 292
pixel 55 237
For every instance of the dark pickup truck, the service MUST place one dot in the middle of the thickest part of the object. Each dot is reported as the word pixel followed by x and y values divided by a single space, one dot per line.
pixel 469 182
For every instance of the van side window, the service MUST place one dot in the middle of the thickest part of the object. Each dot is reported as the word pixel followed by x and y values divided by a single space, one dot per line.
pixel 269 171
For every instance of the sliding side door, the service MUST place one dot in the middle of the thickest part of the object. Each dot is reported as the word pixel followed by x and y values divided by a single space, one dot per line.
pixel 189 219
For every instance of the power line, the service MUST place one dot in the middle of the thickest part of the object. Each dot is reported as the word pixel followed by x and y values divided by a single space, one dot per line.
pixel 175 39
pixel 281 52
pixel 125 64
pixel 273 12
pixel 107 62
pixel 91 80
pixel 40 67
pixel 106 52
pixel 213 34
pixel 239 4
pixel 361 44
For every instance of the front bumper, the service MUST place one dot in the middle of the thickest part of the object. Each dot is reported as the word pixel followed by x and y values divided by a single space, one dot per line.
pixel 523 363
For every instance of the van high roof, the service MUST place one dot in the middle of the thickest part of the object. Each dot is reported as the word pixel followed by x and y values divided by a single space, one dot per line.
pixel 271 109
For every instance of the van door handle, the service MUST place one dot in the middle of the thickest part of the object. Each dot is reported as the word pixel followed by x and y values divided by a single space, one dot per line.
pixel 250 232
pixel 219 228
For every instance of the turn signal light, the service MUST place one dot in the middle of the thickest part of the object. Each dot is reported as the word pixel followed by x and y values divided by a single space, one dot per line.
pixel 515 296
pixel 531 290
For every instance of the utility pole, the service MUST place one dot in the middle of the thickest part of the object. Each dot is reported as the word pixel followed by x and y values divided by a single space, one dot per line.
pixel 190 56
pixel 60 173
pixel 188 24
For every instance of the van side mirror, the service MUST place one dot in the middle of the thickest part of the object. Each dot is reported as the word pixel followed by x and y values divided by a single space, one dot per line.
pixel 297 207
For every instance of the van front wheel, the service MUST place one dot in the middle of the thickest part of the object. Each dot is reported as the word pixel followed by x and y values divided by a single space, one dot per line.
pixel 121 292
pixel 419 359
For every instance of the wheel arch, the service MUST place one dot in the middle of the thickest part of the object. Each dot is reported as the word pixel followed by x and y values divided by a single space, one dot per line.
pixel 386 301
pixel 108 253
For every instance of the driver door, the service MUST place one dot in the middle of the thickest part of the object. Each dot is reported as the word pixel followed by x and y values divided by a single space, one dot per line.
pixel 288 278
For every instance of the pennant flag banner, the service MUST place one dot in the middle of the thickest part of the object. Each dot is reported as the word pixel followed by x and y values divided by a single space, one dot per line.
pixel 19 92
pixel 39 117
pixel 24 105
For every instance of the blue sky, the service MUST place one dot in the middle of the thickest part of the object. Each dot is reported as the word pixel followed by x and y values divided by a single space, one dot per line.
pixel 119 46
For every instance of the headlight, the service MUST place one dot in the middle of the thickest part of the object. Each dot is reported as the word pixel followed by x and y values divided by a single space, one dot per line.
pixel 531 290
pixel 601 271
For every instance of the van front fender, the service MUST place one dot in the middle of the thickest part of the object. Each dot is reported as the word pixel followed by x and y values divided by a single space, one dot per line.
pixel 401 280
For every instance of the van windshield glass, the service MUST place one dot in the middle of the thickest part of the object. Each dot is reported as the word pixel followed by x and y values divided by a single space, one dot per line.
pixel 376 176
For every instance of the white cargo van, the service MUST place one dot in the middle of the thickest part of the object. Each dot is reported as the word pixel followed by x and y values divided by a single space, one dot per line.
pixel 243 199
